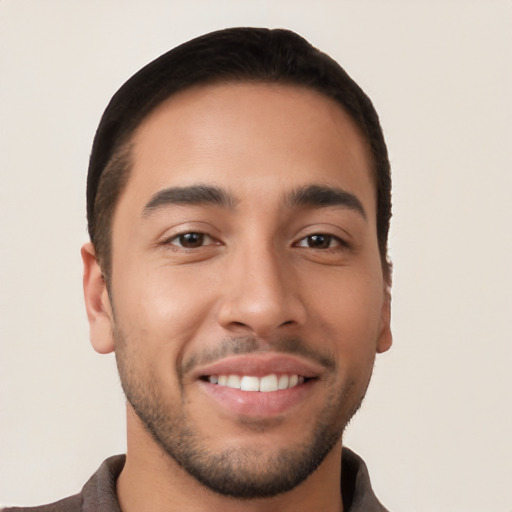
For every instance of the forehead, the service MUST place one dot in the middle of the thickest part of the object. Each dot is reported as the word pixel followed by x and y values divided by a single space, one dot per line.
pixel 252 138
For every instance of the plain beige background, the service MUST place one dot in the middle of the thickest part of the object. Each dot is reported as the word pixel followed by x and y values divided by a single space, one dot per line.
pixel 436 426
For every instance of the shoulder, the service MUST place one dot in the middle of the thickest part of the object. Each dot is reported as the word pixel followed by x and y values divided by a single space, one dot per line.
pixel 99 493
pixel 70 504
pixel 356 488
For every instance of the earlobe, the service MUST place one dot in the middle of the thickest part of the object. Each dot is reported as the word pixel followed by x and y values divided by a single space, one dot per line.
pixel 385 339
pixel 97 303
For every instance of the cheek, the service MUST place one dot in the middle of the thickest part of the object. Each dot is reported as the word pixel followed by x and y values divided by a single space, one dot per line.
pixel 349 306
pixel 163 305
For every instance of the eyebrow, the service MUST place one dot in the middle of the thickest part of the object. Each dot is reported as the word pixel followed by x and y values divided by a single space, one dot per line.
pixel 193 195
pixel 317 196
pixel 320 196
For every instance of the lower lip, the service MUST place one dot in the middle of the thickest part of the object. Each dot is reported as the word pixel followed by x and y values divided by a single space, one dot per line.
pixel 257 403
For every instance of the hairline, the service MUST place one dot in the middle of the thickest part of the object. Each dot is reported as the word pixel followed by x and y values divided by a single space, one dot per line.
pixel 123 153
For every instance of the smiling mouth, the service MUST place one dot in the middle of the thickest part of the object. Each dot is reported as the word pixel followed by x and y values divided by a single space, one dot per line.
pixel 264 384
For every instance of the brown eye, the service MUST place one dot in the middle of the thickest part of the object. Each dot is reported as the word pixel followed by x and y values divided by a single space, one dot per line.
pixel 318 241
pixel 189 240
pixel 322 241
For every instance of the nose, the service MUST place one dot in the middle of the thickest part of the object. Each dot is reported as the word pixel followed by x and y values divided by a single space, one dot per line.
pixel 260 297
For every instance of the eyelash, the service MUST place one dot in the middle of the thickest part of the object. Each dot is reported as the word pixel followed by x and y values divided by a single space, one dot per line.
pixel 322 237
pixel 314 238
pixel 181 238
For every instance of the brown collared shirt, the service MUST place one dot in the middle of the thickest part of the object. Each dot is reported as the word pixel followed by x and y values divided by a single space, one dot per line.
pixel 99 493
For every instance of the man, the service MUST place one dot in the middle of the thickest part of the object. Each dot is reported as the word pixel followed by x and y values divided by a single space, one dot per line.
pixel 238 205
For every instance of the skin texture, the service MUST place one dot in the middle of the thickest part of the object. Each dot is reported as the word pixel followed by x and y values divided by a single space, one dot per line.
pixel 272 282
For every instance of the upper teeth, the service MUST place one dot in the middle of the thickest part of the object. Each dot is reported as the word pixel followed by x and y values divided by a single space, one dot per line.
pixel 249 383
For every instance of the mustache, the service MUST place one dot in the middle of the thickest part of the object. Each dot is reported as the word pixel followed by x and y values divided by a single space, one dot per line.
pixel 244 345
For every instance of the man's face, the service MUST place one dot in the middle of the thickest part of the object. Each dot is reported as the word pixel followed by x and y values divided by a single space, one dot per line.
pixel 245 255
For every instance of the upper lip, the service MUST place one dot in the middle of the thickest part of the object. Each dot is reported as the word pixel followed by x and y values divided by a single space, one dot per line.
pixel 258 365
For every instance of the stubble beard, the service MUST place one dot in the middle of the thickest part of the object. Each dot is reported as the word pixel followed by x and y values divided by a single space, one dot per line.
pixel 243 472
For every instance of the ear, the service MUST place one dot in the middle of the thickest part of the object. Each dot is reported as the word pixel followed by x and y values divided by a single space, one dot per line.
pixel 385 338
pixel 97 302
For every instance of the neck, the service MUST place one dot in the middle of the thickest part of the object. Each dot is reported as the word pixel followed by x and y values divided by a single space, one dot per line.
pixel 152 480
